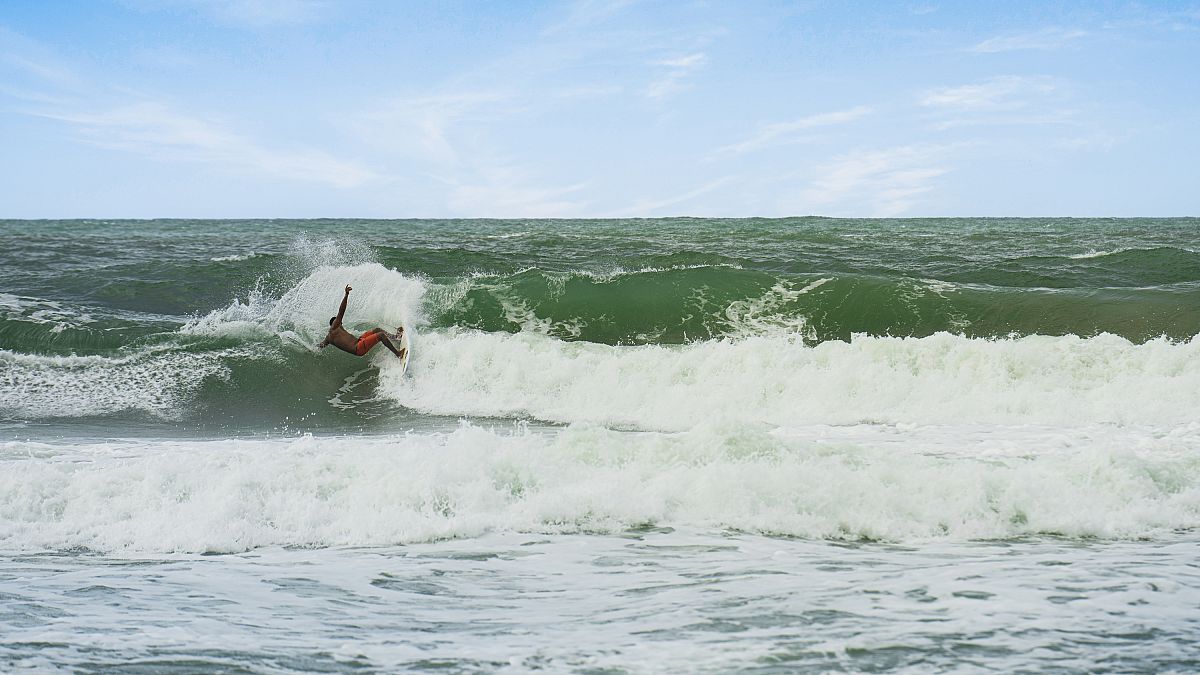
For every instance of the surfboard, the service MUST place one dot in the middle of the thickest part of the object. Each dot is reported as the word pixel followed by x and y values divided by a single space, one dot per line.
pixel 402 342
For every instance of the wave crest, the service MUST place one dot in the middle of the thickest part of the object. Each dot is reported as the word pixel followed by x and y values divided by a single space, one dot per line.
pixel 778 380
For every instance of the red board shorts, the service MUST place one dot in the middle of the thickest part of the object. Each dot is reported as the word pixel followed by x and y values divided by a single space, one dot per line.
pixel 367 341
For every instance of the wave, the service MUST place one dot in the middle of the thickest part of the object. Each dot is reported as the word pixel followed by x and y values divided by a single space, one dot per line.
pixel 1093 253
pixel 570 347
pixel 681 304
pixel 1122 267
pixel 651 297
pixel 661 347
pixel 860 483
pixel 779 380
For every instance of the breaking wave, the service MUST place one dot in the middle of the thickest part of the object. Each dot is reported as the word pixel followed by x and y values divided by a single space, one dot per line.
pixel 876 483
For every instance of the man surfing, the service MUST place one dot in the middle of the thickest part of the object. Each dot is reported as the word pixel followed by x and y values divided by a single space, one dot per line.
pixel 359 346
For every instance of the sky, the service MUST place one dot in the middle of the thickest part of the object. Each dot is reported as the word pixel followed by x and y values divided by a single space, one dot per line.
pixel 597 108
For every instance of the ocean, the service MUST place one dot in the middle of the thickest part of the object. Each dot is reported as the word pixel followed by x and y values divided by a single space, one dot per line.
pixel 621 446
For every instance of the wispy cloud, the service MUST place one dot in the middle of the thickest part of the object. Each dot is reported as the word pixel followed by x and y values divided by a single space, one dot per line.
pixel 449 137
pixel 588 91
pixel 1044 39
pixel 40 81
pixel 585 13
pixel 165 57
pixel 684 62
pixel 1005 92
pixel 153 130
pixel 501 190
pixel 40 70
pixel 1098 142
pixel 22 58
pixel 678 69
pixel 424 127
pixel 1008 119
pixel 654 206
pixel 777 133
pixel 879 183
pixel 250 13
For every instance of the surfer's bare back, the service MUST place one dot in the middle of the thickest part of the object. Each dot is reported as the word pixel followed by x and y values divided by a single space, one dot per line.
pixel 359 346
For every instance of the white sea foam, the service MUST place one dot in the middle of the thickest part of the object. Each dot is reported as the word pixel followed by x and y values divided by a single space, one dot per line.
pixel 764 315
pixel 9 301
pixel 618 272
pixel 40 311
pixel 868 481
pixel 777 380
pixel 1093 253
pixel 237 257
pixel 157 382
pixel 604 276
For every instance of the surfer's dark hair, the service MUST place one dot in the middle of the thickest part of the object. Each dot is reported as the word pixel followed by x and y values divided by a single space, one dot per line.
pixel 332 319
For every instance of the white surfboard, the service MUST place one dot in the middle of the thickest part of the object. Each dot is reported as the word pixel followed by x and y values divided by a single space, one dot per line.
pixel 402 342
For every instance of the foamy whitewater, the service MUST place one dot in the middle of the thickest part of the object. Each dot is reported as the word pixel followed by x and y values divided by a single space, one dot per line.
pixel 620 446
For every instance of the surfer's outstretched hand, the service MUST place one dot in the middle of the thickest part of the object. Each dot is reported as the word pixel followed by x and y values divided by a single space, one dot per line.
pixel 348 289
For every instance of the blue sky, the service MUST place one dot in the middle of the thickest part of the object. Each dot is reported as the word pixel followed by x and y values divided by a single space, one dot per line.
pixel 598 108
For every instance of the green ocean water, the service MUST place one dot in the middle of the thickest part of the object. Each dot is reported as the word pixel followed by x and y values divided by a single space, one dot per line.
pixel 123 290
pixel 623 282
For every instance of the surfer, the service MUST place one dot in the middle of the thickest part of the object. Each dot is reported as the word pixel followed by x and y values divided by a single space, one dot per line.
pixel 359 346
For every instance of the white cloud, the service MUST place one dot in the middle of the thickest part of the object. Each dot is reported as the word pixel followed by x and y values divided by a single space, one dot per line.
pixel 783 132
pixel 1005 92
pixel 678 70
pixel 879 183
pixel 1045 39
pixel 1000 101
pixel 153 130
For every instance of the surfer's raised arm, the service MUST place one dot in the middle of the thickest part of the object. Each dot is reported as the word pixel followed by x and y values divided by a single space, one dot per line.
pixel 342 308
pixel 335 326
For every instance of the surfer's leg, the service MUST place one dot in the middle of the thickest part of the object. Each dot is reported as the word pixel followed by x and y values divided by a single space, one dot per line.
pixel 386 342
